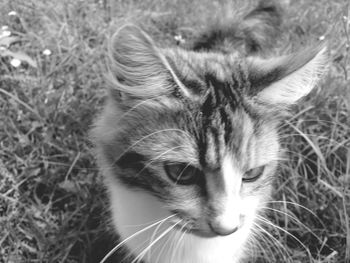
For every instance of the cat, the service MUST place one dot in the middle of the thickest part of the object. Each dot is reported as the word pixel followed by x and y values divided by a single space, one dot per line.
pixel 188 140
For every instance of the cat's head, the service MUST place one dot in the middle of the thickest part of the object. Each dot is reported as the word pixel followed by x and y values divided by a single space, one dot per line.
pixel 199 130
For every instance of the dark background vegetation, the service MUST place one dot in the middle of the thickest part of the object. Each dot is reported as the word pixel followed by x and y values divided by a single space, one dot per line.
pixel 52 202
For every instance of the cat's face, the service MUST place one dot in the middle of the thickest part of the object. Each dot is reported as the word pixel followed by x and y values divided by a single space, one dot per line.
pixel 209 161
pixel 197 132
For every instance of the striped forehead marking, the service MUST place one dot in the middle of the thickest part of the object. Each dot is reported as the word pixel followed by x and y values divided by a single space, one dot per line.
pixel 218 117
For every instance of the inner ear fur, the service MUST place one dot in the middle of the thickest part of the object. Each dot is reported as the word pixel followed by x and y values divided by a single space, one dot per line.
pixel 285 80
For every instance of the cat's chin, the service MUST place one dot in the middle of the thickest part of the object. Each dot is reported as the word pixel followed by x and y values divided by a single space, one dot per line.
pixel 134 211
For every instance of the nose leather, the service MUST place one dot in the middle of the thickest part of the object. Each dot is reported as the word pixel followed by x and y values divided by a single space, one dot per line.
pixel 222 230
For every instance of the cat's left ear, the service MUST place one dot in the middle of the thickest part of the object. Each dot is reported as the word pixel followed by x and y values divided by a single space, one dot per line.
pixel 283 81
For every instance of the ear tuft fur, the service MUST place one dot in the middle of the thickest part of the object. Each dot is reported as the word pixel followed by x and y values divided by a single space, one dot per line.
pixel 285 80
pixel 135 63
pixel 138 68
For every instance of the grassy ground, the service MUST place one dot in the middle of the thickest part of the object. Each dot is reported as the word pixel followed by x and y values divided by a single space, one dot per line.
pixel 52 203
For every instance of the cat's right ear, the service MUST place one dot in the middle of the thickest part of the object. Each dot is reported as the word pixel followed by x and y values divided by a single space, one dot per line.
pixel 138 68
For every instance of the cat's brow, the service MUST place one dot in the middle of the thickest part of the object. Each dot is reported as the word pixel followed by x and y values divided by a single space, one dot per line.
pixel 222 122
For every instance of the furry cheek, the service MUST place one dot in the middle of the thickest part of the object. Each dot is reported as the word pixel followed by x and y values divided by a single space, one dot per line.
pixel 248 207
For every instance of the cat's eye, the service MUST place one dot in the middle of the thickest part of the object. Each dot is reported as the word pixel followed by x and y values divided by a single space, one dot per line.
pixel 253 174
pixel 182 173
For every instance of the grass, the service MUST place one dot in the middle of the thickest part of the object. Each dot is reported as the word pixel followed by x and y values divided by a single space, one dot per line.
pixel 52 202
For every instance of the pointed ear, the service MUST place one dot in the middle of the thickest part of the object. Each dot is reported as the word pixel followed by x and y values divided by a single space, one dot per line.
pixel 285 80
pixel 138 68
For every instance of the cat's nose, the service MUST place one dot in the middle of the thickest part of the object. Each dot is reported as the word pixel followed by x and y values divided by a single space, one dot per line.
pixel 221 228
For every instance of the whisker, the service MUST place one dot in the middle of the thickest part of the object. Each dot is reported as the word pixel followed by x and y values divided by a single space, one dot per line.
pixel 298 205
pixel 145 224
pixel 170 237
pixel 136 106
pixel 182 235
pixel 153 237
pixel 113 250
pixel 133 145
pixel 133 252
pixel 183 170
pixel 158 157
pixel 266 221
pixel 266 240
pixel 143 252
pixel 276 242
pixel 147 136
pixel 296 220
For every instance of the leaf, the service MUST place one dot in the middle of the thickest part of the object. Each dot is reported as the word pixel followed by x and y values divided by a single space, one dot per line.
pixel 19 55
pixel 7 41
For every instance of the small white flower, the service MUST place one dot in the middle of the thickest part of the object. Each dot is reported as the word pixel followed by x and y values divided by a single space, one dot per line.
pixel 179 39
pixel 12 13
pixel 3 28
pixel 15 62
pixel 321 38
pixel 47 52
pixel 5 33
